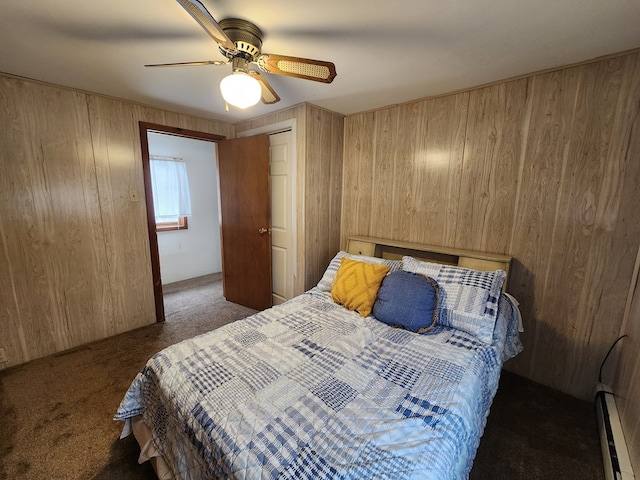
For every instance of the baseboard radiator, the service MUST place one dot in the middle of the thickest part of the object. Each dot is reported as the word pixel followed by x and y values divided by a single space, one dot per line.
pixel 615 455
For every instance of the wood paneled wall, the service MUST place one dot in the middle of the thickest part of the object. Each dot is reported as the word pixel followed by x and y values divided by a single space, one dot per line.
pixel 75 264
pixel 319 140
pixel 543 168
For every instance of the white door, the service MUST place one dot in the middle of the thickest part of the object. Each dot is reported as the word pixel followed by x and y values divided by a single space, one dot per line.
pixel 282 251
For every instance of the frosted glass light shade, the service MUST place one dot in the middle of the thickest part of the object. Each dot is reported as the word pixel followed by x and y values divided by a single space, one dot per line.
pixel 240 90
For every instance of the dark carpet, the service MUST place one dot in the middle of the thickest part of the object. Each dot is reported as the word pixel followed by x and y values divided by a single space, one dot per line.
pixel 56 412
pixel 535 432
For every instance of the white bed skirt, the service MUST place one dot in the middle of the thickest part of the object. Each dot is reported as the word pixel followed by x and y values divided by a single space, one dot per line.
pixel 148 451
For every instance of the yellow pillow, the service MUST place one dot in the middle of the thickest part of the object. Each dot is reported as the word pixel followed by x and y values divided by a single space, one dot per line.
pixel 356 285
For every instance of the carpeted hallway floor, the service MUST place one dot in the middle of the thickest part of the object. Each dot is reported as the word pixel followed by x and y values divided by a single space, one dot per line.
pixel 56 412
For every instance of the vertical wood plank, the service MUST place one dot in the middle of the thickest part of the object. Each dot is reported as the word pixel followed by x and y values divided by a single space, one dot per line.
pixel 357 176
pixel 387 129
pixel 402 179
pixel 494 137
pixel 316 194
pixel 335 178
pixel 118 161
pixel 437 169
pixel 542 166
pixel 323 187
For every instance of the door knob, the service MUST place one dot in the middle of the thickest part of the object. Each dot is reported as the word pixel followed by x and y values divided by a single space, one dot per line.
pixel 262 231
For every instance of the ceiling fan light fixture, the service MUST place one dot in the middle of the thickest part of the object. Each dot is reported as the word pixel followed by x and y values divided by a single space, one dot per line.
pixel 240 90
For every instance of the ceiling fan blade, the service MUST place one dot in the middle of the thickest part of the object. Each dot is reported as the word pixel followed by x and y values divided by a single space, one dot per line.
pixel 306 68
pixel 188 64
pixel 269 95
pixel 201 15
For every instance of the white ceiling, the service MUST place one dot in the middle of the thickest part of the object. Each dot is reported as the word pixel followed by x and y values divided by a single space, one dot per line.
pixel 385 52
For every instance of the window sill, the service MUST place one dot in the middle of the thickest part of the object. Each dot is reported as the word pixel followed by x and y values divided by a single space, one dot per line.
pixel 180 224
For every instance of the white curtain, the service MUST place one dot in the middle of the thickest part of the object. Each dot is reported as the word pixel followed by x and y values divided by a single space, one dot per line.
pixel 170 185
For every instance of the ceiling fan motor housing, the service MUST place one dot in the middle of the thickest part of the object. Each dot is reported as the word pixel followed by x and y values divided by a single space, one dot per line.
pixel 245 35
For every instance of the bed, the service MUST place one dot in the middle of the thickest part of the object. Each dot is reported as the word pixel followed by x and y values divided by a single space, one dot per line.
pixel 314 388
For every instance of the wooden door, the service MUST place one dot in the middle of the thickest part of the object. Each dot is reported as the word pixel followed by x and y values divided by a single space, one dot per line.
pixel 243 168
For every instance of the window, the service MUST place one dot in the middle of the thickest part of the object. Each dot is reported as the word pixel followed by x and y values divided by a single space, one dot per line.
pixel 171 197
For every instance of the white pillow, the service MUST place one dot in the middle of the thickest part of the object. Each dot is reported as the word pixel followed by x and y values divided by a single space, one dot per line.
pixel 468 298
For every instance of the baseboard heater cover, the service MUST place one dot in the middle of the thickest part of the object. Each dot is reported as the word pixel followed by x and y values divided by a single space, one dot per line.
pixel 617 465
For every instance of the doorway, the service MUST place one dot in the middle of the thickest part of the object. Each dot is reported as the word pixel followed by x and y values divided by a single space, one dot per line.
pixel 189 248
pixel 146 129
pixel 288 287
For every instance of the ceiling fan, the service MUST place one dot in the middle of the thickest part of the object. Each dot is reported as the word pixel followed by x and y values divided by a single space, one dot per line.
pixel 241 42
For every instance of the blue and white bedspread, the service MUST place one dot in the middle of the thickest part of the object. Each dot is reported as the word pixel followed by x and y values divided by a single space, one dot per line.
pixel 309 389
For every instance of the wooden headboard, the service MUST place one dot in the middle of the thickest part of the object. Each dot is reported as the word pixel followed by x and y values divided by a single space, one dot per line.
pixel 392 249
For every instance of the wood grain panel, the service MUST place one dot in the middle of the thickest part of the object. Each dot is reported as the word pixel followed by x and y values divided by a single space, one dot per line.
pixel 301 174
pixel 357 176
pixel 492 146
pixel 317 195
pixel 336 181
pixel 436 169
pixel 385 132
pixel 404 202
pixel 118 162
pixel 569 252
pixel 548 176
pixel 75 255
pixel 543 163
pixel 323 190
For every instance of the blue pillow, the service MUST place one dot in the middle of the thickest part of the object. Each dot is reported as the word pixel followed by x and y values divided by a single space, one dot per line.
pixel 407 300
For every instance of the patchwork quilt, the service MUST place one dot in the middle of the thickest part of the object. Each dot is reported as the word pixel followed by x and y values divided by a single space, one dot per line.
pixel 309 389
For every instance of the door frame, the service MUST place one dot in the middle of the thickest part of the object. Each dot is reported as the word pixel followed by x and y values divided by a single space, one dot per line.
pixel 146 127
pixel 297 235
